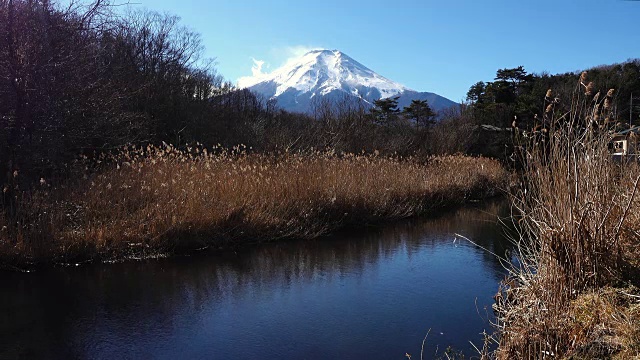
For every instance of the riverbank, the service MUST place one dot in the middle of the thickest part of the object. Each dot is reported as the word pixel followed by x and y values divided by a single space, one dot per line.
pixel 574 292
pixel 154 201
pixel 408 275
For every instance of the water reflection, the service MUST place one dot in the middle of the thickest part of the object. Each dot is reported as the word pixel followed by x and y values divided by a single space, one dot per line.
pixel 369 293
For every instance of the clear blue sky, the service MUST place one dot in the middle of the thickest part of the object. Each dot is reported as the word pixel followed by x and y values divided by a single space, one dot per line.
pixel 438 46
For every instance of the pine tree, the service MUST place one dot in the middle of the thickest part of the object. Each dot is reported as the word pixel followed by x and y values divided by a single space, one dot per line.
pixel 420 112
pixel 385 111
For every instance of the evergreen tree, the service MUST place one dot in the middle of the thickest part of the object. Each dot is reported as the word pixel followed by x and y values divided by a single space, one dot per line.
pixel 420 112
pixel 385 111
pixel 476 91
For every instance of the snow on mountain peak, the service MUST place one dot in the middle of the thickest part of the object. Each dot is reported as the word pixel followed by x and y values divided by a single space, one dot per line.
pixel 332 75
pixel 320 72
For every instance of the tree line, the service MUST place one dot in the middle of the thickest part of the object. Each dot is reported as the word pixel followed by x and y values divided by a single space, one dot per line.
pixel 516 94
pixel 85 79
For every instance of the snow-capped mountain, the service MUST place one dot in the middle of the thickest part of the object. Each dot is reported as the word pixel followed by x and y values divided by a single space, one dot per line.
pixel 332 74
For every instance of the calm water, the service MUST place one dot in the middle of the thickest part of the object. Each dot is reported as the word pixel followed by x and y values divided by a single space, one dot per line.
pixel 366 294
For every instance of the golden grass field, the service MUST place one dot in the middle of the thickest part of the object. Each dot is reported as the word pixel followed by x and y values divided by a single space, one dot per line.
pixel 158 200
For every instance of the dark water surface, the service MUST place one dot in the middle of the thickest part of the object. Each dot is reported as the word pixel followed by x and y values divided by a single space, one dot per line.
pixel 366 294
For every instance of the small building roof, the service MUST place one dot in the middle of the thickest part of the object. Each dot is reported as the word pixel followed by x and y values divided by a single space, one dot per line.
pixel 493 128
pixel 635 130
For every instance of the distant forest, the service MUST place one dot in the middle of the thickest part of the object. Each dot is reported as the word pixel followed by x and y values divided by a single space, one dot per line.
pixel 87 79
pixel 516 93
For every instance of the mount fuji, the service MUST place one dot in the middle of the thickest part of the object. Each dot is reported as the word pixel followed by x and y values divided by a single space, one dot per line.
pixel 332 75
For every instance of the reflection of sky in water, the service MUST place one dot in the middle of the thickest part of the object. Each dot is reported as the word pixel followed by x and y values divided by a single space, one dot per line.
pixel 370 293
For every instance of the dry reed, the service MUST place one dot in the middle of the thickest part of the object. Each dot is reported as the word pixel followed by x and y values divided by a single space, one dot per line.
pixel 570 293
pixel 156 200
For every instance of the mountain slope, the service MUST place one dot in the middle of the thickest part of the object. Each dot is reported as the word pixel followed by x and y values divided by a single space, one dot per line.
pixel 332 75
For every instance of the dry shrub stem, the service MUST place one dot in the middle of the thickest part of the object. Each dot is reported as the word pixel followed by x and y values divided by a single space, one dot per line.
pixel 577 214
pixel 157 200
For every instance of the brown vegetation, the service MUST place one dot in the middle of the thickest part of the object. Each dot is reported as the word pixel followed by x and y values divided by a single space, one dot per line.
pixel 146 201
pixel 573 294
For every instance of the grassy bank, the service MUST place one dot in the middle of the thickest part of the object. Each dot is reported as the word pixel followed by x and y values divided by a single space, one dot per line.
pixel 159 200
pixel 574 294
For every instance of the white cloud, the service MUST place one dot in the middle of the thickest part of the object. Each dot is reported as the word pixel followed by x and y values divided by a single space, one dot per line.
pixel 257 74
pixel 288 54
pixel 256 69
pixel 293 53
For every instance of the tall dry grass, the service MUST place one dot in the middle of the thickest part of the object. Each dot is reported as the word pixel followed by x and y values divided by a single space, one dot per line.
pixel 154 200
pixel 570 294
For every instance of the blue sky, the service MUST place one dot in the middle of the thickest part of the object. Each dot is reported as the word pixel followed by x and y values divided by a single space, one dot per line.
pixel 438 46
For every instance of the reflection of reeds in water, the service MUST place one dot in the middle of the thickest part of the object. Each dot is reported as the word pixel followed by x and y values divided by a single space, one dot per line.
pixel 351 251
pixel 578 215
pixel 276 264
pixel 161 199
pixel 189 284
